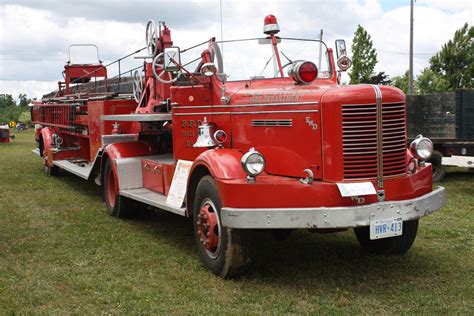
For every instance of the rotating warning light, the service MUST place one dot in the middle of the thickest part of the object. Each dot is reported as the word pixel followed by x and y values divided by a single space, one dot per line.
pixel 270 25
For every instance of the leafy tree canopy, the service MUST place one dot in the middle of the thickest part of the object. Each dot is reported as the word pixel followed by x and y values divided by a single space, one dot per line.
pixel 364 57
pixel 401 82
pixel 455 62
pixel 430 82
pixel 10 110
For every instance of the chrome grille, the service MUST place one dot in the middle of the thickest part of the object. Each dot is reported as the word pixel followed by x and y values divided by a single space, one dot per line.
pixel 359 136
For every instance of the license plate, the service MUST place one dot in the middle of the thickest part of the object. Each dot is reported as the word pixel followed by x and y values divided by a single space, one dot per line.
pixel 386 228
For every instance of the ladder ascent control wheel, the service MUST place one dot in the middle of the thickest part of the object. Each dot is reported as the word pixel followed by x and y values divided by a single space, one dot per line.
pixel 137 85
pixel 158 63
pixel 151 36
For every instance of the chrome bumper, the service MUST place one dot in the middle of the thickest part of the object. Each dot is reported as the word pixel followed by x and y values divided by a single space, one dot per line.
pixel 332 217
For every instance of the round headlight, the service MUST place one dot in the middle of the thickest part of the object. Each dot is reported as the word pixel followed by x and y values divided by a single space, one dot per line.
pixel 253 163
pixel 421 147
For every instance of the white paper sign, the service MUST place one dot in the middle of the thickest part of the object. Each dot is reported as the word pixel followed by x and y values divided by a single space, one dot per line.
pixel 179 183
pixel 356 188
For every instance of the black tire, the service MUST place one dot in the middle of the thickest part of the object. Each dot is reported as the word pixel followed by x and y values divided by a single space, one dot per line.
pixel 51 171
pixel 231 255
pixel 392 245
pixel 437 169
pixel 117 205
pixel 281 234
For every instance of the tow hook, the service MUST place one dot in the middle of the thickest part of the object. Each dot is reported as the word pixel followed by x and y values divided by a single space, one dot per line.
pixel 309 178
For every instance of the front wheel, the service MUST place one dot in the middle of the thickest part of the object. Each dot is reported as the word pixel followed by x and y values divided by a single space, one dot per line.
pixel 391 245
pixel 117 205
pixel 224 251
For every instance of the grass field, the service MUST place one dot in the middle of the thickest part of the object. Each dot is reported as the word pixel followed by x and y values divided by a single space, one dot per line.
pixel 61 253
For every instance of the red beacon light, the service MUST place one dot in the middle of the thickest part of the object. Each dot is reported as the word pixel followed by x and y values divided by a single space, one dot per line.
pixel 270 25
pixel 303 71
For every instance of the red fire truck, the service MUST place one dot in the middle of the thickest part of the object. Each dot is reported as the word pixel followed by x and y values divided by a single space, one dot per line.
pixel 5 134
pixel 244 135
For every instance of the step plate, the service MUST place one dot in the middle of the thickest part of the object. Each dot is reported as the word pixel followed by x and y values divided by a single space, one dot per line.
pixel 83 172
pixel 152 198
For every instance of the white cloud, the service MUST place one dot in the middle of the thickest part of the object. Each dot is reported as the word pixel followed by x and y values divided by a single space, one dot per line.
pixel 32 88
pixel 458 5
pixel 34 35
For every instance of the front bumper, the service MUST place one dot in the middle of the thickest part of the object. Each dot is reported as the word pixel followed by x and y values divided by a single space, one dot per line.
pixel 332 217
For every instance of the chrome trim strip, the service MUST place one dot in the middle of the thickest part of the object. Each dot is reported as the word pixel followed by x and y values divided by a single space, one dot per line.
pixel 242 105
pixel 243 113
pixel 378 100
pixel 332 217
pixel 272 123
pixel 348 104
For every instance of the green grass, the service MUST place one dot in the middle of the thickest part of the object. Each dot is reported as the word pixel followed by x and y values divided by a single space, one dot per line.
pixel 61 253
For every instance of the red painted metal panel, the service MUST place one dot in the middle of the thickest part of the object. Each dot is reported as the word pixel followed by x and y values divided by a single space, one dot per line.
pixel 276 191
pixel 152 175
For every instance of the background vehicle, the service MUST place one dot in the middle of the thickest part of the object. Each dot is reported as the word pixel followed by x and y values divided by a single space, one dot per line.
pixel 447 118
pixel 5 134
pixel 281 147
pixel 21 126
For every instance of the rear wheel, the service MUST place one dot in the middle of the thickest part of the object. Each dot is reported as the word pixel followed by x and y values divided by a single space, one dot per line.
pixel 437 169
pixel 392 245
pixel 51 170
pixel 224 251
pixel 117 205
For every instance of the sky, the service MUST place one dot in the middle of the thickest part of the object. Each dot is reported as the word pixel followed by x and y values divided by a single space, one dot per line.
pixel 35 34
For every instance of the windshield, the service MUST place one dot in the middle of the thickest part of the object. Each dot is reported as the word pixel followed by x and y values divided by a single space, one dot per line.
pixel 256 59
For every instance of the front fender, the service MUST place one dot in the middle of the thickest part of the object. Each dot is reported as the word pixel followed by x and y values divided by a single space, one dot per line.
pixel 222 163
pixel 129 149
pixel 47 135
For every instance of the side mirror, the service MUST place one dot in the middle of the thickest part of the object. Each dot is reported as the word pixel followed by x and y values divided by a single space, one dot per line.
pixel 172 59
pixel 340 48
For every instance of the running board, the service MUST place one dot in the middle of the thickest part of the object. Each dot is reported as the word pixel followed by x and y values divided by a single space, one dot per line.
pixel 152 198
pixel 36 151
pixel 83 172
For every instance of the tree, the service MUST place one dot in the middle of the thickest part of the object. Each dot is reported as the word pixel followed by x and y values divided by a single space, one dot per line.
pixel 25 117
pixel 430 82
pixel 23 100
pixel 364 57
pixel 455 62
pixel 9 110
pixel 380 78
pixel 6 100
pixel 401 82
